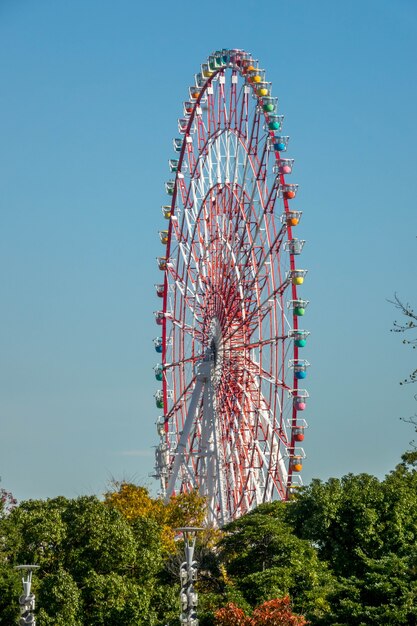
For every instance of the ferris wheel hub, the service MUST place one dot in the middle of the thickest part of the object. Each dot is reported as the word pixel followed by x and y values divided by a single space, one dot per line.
pixel 216 350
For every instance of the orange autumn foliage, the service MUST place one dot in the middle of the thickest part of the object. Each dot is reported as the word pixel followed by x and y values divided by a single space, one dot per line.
pixel 231 615
pixel 133 502
pixel 275 612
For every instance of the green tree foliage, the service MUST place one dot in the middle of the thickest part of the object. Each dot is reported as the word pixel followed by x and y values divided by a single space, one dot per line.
pixel 266 560
pixel 385 594
pixel 343 553
pixel 96 568
pixel 10 589
pixel 9 585
pixel 342 518
pixel 59 599
pixel 366 531
pixel 344 550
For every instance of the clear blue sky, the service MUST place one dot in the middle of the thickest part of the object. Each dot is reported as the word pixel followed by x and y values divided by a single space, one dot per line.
pixel 90 94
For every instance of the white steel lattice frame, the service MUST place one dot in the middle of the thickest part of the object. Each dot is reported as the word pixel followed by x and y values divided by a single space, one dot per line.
pixel 229 355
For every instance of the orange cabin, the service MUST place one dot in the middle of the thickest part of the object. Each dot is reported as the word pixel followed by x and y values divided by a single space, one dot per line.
pixel 297 464
pixel 292 218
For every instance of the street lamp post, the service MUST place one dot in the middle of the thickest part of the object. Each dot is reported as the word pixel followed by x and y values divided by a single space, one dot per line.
pixel 188 576
pixel 27 599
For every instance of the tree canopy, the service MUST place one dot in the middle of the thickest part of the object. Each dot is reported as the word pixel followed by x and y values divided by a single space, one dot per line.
pixel 342 553
pixel 95 566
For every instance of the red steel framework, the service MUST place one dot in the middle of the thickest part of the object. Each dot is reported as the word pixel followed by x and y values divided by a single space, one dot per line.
pixel 231 345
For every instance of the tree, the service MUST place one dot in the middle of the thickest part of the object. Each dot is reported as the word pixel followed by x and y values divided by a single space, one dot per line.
pixel 7 502
pixel 266 560
pixel 60 600
pixel 405 327
pixel 342 518
pixel 9 584
pixel 276 612
pixel 134 502
pixel 231 615
pixel 386 594
pixel 410 324
pixel 10 589
pixel 96 568
pixel 365 530
pixel 184 509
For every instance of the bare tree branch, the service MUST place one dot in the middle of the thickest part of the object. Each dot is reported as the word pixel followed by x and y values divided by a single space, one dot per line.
pixel 410 324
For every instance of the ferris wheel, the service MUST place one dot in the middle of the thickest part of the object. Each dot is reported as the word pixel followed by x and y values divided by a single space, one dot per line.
pixel 231 348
